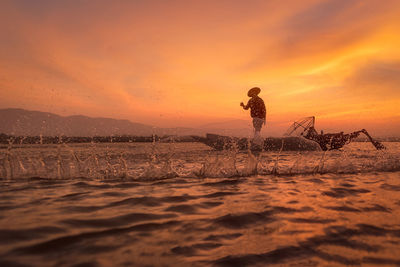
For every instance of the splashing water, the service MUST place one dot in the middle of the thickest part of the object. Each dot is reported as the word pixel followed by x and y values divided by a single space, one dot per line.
pixel 153 161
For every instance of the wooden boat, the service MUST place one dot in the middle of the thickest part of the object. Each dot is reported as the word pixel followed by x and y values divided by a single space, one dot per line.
pixel 220 142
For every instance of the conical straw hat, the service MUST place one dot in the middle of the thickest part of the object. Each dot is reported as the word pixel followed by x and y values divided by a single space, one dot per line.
pixel 253 91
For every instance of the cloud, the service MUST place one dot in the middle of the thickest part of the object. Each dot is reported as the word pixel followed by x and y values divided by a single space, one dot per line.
pixel 320 32
pixel 378 78
pixel 188 60
pixel 323 18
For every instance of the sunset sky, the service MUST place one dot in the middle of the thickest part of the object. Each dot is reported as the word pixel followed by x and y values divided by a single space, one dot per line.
pixel 189 62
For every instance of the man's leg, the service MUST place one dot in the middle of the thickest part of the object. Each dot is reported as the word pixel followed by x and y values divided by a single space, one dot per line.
pixel 257 123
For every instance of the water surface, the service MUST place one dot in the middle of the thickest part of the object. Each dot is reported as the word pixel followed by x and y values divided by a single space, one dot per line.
pixel 184 204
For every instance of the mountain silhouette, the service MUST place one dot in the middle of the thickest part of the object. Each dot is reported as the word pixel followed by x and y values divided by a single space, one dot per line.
pixel 16 121
pixel 25 122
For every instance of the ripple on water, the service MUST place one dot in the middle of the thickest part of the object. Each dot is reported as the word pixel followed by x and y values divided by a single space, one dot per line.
pixel 390 187
pixel 194 249
pixel 62 244
pixel 116 221
pixel 341 192
pixel 334 236
pixel 13 235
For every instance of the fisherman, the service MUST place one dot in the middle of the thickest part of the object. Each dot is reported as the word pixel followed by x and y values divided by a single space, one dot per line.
pixel 257 110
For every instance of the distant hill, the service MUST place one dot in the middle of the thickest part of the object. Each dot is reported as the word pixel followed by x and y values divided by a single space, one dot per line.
pixel 25 122
pixel 14 121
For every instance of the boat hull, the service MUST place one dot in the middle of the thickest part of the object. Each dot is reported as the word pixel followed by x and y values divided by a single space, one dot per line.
pixel 220 142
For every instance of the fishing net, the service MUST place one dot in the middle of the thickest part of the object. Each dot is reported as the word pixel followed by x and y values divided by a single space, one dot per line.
pixel 300 126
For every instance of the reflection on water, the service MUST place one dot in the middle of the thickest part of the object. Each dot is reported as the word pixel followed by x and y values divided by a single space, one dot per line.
pixel 183 204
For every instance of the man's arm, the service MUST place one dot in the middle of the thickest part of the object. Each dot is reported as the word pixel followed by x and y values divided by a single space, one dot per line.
pixel 247 106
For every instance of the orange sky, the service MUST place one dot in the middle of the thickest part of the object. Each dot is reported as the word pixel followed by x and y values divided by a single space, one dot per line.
pixel 188 63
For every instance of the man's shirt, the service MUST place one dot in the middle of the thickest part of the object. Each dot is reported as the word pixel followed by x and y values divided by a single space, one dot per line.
pixel 257 107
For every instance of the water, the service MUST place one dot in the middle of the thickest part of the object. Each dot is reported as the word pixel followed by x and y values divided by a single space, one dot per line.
pixel 183 204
